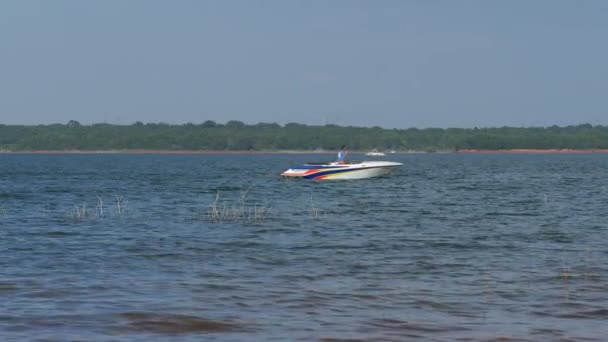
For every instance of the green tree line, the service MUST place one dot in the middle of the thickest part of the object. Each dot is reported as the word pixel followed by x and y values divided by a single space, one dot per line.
pixel 235 135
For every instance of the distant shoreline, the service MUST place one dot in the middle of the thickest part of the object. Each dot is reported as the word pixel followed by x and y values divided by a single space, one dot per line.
pixel 467 151
pixel 144 151
pixel 535 151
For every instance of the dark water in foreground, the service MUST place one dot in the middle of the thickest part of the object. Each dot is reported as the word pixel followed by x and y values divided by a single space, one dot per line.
pixel 450 247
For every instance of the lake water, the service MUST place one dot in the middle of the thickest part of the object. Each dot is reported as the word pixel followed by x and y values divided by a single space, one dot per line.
pixel 219 247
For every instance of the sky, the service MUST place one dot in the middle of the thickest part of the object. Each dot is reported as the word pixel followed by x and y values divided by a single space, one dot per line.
pixel 394 64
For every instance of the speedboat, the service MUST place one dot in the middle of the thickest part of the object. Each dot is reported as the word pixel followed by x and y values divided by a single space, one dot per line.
pixel 336 170
pixel 375 152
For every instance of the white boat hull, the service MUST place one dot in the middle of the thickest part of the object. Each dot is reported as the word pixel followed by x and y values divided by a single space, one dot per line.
pixel 359 170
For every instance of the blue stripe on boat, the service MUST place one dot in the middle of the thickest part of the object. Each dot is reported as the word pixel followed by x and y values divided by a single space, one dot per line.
pixel 310 167
pixel 329 172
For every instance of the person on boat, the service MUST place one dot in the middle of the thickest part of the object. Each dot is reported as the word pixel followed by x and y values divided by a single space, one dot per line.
pixel 343 155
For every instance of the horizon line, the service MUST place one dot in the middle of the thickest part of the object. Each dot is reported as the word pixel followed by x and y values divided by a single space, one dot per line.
pixel 238 123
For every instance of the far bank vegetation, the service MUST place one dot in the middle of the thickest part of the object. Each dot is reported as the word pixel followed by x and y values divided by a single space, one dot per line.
pixel 236 135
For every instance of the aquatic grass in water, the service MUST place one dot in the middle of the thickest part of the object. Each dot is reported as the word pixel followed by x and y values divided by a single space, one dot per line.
pixel 242 211
pixel 314 211
pixel 245 212
pixel 78 213
pixel 81 212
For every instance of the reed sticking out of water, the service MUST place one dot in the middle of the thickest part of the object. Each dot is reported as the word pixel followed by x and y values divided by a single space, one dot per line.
pixel 119 207
pixel 313 211
pixel 100 206
pixel 79 213
pixel 242 212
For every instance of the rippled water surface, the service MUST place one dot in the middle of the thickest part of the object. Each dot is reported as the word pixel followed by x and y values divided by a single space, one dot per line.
pixel 219 247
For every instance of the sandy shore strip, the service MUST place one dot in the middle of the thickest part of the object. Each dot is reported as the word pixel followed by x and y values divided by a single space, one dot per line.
pixel 144 151
pixel 535 151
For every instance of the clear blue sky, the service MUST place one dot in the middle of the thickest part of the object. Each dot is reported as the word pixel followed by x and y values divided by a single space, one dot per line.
pixel 387 63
